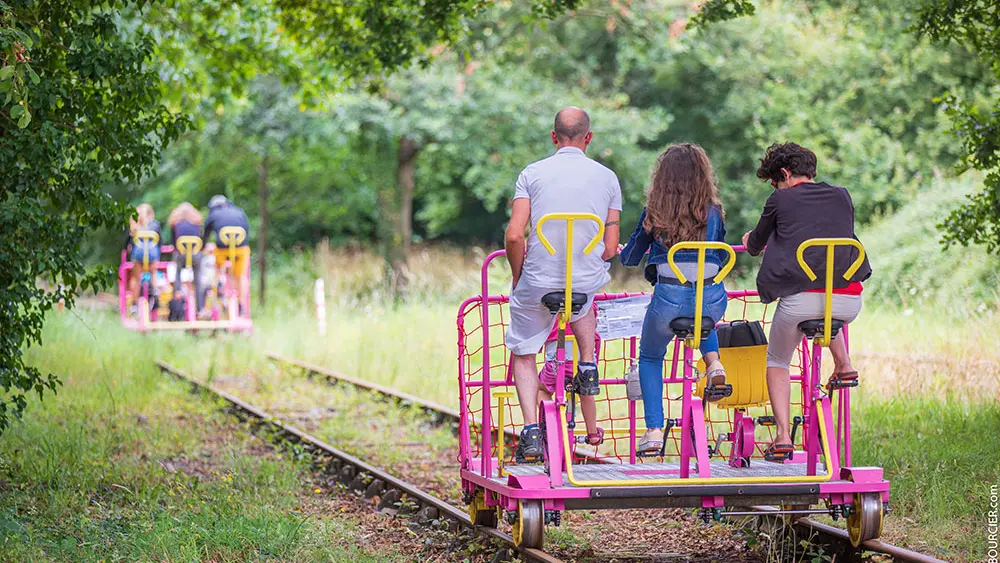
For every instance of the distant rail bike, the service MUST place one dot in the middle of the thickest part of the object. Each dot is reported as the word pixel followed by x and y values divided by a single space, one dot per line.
pixel 712 455
pixel 148 310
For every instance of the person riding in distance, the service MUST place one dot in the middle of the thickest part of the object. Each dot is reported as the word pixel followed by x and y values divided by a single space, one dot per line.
pixel 222 213
pixel 145 221
pixel 800 209
pixel 185 221
pixel 566 182
pixel 682 204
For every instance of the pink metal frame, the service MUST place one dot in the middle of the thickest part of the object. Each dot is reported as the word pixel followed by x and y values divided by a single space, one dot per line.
pixel 479 471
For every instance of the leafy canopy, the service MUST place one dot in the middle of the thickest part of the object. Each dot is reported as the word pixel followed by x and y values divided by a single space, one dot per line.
pixel 81 108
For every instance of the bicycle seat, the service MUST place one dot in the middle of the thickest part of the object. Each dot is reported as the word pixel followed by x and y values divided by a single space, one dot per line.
pixel 554 301
pixel 815 326
pixel 683 327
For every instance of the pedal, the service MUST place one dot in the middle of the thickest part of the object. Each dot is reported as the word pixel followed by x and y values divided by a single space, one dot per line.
pixel 718 392
pixel 836 383
pixel 766 420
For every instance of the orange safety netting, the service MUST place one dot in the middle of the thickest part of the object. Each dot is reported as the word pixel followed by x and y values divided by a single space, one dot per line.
pixel 615 357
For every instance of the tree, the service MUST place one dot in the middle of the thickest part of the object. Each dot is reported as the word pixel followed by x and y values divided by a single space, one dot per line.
pixel 81 108
pixel 973 24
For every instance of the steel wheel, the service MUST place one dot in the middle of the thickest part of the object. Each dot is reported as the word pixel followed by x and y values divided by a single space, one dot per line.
pixel 529 527
pixel 480 515
pixel 865 523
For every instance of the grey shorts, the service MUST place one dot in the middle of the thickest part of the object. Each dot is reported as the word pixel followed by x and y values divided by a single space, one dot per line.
pixel 531 322
pixel 785 335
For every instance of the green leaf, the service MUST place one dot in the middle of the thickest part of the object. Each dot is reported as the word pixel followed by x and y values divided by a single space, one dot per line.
pixel 32 75
pixel 16 111
pixel 25 120
pixel 6 72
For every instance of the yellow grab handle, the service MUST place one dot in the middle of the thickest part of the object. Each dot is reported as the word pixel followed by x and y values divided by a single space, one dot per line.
pixel 701 246
pixel 149 237
pixel 188 247
pixel 830 244
pixel 501 398
pixel 570 218
pixel 231 237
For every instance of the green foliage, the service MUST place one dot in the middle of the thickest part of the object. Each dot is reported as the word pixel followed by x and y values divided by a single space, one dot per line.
pixel 714 11
pixel 94 117
pixel 973 24
pixel 911 274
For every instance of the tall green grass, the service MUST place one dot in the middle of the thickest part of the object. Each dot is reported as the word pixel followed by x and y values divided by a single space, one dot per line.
pixel 125 465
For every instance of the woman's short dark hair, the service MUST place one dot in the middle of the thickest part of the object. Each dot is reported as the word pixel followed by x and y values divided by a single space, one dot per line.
pixel 795 158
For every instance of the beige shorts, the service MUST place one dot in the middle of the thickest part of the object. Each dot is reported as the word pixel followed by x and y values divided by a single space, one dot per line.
pixel 531 322
pixel 785 335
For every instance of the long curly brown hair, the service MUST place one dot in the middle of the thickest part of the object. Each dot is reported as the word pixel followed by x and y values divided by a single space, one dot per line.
pixel 680 192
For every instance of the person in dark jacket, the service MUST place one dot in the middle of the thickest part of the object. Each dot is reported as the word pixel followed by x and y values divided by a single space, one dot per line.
pixel 682 205
pixel 800 209
pixel 185 221
pixel 222 213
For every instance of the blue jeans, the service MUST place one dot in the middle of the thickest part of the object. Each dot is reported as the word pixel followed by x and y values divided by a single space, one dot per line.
pixel 667 303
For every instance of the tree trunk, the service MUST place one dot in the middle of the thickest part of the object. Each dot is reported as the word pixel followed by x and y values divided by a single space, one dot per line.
pixel 262 193
pixel 405 174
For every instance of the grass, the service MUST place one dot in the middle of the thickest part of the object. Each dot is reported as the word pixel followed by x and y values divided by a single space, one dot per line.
pixel 941 456
pixel 123 465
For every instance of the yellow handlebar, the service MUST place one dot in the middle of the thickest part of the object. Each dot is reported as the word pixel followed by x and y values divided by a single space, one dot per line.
pixel 188 247
pixel 148 237
pixel 699 284
pixel 570 218
pixel 830 244
pixel 231 237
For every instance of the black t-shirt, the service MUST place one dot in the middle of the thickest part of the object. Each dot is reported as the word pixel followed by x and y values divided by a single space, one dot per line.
pixel 790 217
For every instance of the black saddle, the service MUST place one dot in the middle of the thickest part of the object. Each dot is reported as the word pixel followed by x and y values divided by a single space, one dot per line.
pixel 815 326
pixel 554 301
pixel 683 327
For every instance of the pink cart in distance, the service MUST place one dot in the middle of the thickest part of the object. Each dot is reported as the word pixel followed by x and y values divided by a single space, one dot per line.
pixel 712 458
pixel 225 313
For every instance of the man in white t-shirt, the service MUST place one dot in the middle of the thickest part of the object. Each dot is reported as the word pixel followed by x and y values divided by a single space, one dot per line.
pixel 566 182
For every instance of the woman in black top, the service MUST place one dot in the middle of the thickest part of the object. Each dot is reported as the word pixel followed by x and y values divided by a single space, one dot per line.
pixel 801 209
pixel 185 221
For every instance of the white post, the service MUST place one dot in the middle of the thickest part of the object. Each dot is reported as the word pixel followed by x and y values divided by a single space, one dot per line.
pixel 319 296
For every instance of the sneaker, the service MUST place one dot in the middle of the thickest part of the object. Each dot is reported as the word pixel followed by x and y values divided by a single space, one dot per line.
pixel 587 380
pixel 529 447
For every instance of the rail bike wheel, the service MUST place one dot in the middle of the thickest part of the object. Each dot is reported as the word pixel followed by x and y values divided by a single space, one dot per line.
pixel 480 515
pixel 865 521
pixel 529 528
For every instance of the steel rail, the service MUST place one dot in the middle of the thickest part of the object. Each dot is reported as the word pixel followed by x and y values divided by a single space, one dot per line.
pixel 352 469
pixel 830 533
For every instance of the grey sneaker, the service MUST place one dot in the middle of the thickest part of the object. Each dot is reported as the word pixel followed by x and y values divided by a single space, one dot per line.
pixel 529 446
pixel 587 380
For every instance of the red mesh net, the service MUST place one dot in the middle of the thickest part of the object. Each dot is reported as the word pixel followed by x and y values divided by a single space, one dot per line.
pixel 615 357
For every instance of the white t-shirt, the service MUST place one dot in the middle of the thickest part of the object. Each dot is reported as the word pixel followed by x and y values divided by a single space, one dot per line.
pixel 567 182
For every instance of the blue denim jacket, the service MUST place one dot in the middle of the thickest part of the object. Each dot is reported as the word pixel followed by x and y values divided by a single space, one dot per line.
pixel 631 255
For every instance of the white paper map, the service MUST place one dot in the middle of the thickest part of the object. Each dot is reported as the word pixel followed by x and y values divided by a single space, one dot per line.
pixel 621 318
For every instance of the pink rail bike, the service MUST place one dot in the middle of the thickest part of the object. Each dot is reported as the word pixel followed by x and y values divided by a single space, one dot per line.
pixel 712 458
pixel 225 314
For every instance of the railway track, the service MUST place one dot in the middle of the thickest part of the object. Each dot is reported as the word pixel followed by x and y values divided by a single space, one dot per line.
pixel 358 475
pixel 818 531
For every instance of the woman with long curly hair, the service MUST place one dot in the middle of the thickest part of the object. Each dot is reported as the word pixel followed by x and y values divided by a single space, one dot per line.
pixel 682 204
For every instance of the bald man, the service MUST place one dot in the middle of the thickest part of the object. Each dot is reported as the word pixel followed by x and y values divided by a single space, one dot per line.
pixel 566 182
